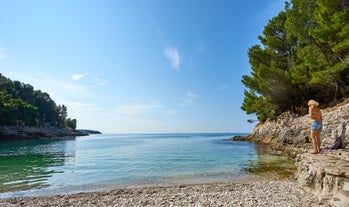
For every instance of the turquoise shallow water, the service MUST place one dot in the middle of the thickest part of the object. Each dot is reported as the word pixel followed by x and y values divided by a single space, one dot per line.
pixel 66 165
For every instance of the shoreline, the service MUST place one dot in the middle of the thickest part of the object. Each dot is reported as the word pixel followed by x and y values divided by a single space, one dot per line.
pixel 8 133
pixel 269 166
pixel 253 190
pixel 90 188
pixel 261 190
pixel 258 191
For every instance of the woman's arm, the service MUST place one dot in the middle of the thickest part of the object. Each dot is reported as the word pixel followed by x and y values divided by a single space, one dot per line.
pixel 311 111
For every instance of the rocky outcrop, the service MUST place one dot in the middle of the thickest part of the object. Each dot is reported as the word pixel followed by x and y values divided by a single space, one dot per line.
pixel 292 134
pixel 15 132
pixel 326 175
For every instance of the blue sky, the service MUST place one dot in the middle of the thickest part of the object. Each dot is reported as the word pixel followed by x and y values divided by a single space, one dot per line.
pixel 137 66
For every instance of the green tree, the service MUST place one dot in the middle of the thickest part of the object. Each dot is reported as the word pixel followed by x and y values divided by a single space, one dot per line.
pixel 48 110
pixel 333 35
pixel 318 26
pixel 21 104
pixel 271 89
pixel 16 111
pixel 70 123
pixel 304 55
pixel 7 117
pixel 62 115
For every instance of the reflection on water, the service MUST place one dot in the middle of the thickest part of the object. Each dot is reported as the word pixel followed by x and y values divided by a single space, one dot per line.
pixel 25 164
pixel 28 167
pixel 271 163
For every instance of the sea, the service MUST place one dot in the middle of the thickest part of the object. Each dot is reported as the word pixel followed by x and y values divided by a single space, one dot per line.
pixel 49 166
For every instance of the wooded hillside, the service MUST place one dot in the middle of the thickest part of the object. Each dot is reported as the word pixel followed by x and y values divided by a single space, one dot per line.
pixel 20 104
pixel 304 54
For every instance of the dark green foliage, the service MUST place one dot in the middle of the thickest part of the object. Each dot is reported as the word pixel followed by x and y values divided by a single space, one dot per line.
pixel 70 123
pixel 16 111
pixel 20 104
pixel 304 55
pixel 62 115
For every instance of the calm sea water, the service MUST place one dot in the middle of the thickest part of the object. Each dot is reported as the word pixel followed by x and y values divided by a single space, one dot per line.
pixel 95 162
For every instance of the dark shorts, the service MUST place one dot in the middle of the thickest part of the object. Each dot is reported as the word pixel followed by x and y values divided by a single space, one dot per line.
pixel 316 125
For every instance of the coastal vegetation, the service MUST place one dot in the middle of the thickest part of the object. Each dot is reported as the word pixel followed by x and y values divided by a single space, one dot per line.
pixel 304 54
pixel 21 105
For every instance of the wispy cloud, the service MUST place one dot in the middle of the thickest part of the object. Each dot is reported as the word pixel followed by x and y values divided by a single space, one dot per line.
pixel 78 76
pixel 80 106
pixel 173 56
pixel 99 82
pixel 91 82
pixel 151 20
pixel 223 86
pixel 191 95
pixel 133 109
pixel 60 90
pixel 188 99
pixel 171 53
pixel 2 54
pixel 171 112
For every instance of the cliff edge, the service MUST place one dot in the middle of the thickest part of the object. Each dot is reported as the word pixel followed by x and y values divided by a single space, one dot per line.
pixel 326 175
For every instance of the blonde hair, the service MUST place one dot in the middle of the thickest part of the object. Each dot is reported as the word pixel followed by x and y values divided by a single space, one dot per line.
pixel 312 102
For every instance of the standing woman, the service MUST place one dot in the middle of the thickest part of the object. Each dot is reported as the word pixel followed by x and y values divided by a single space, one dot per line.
pixel 315 115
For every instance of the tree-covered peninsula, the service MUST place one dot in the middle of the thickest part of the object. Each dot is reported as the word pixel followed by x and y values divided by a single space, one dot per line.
pixel 22 106
pixel 304 54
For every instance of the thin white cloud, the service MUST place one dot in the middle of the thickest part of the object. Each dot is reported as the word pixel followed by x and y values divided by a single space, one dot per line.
pixel 91 82
pixel 2 54
pixel 99 82
pixel 133 109
pixel 151 20
pixel 191 95
pixel 173 56
pixel 188 99
pixel 61 91
pixel 80 106
pixel 223 86
pixel 171 112
pixel 78 76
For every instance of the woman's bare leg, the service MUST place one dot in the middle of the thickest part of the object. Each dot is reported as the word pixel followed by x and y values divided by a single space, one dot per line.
pixel 318 134
pixel 314 140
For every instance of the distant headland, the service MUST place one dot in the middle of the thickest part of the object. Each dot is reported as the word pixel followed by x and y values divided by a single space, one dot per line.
pixel 89 131
pixel 29 113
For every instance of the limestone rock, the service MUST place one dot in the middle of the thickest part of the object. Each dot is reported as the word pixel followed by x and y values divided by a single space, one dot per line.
pixel 292 132
pixel 326 175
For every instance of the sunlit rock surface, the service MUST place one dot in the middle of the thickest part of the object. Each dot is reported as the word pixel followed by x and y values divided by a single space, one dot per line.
pixel 326 175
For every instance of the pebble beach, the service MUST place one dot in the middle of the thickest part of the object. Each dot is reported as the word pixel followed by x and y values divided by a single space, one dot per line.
pixel 248 193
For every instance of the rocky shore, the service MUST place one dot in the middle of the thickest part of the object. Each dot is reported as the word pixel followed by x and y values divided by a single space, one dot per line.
pixel 321 180
pixel 325 175
pixel 22 132
pixel 253 193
